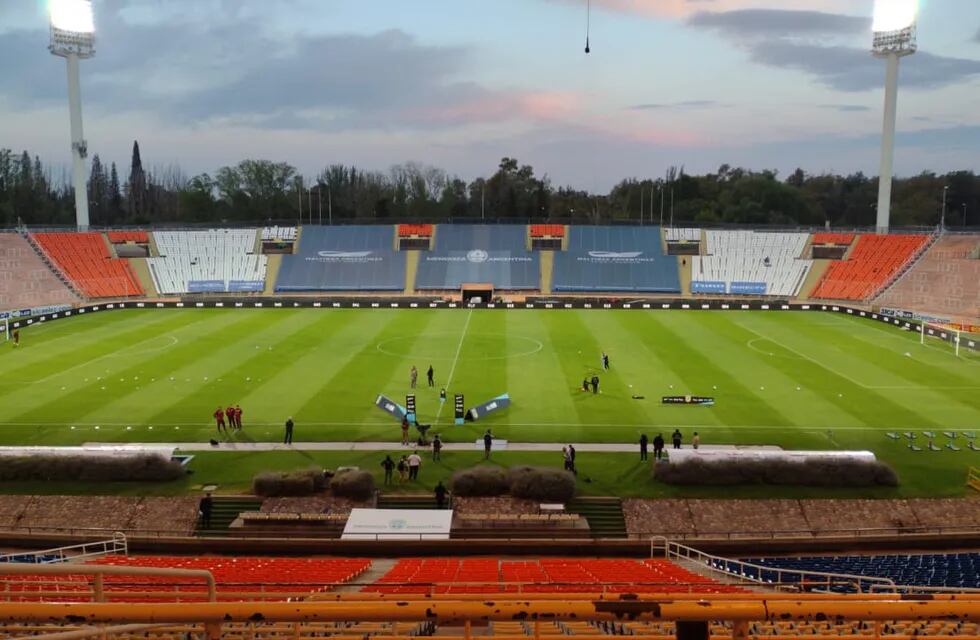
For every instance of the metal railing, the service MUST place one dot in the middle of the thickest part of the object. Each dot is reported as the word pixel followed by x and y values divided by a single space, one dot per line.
pixel 14 589
pixel 773 577
pixel 117 544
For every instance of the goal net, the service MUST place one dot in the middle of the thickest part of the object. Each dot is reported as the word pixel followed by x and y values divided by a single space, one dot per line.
pixel 930 333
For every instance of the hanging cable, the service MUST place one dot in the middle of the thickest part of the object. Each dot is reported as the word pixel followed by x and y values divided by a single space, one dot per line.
pixel 588 24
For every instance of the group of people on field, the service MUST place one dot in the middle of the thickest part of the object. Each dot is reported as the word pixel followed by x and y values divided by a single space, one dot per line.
pixel 676 439
pixel 413 376
pixel 229 417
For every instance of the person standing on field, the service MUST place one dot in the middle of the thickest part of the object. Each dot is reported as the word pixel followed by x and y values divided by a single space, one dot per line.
pixel 658 446
pixel 414 463
pixel 219 417
pixel 431 375
pixel 405 426
pixel 643 447
pixel 605 360
pixel 595 383
pixel 676 438
pixel 696 440
pixel 388 465
pixel 16 337
pixel 289 431
pixel 402 470
pixel 436 448
pixel 487 444
pixel 238 416
pixel 413 376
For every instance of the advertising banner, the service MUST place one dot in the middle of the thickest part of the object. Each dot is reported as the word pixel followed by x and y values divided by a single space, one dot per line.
pixel 205 286
pixel 705 286
pixel 504 269
pixel 251 286
pixel 390 407
pixel 748 288
pixel 500 402
pixel 600 270
pixel 688 400
pixel 34 311
pixel 398 524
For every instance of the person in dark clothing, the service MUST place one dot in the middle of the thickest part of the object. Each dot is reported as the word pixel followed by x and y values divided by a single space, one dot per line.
pixel 441 496
pixel 676 438
pixel 388 465
pixel 658 446
pixel 487 444
pixel 605 360
pixel 430 374
pixel 585 384
pixel 289 431
pixel 436 448
pixel 205 509
pixel 643 446
pixel 595 384
pixel 571 459
pixel 16 336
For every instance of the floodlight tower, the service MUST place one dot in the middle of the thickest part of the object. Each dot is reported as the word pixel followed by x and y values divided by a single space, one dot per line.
pixel 894 38
pixel 73 38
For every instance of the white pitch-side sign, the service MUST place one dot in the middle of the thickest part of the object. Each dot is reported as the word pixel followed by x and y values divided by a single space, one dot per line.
pixel 714 455
pixel 398 524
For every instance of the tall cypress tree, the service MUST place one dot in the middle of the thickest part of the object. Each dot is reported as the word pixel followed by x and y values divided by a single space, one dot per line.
pixel 136 188
pixel 97 191
pixel 114 212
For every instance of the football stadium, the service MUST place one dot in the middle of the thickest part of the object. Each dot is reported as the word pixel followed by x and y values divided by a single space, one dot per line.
pixel 276 425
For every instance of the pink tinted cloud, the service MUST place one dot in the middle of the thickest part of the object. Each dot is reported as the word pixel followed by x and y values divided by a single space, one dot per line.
pixel 684 8
pixel 499 107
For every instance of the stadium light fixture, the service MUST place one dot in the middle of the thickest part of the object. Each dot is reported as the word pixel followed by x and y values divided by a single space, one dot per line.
pixel 894 29
pixel 73 38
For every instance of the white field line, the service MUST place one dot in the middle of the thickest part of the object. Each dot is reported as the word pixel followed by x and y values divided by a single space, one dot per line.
pixel 452 369
pixel 86 426
pixel 806 357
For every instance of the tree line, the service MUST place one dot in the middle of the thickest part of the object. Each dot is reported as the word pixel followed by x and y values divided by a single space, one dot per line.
pixel 258 191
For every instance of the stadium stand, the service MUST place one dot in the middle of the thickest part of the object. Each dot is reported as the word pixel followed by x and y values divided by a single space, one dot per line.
pixel 120 237
pixel 958 570
pixel 485 254
pixel 615 259
pixel 546 575
pixel 344 258
pixel 278 234
pixel 547 231
pixel 674 234
pixel 216 260
pixel 833 238
pixel 25 281
pixel 84 258
pixel 945 280
pixel 415 230
pixel 750 263
pixel 237 578
pixel 873 261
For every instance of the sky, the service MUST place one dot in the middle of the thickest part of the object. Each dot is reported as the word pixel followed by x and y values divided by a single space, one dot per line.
pixel 459 84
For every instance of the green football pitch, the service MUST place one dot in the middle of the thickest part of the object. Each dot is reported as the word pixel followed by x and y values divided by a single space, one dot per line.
pixel 794 379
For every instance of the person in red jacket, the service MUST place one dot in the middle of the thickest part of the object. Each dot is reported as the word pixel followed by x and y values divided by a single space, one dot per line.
pixel 238 416
pixel 219 417
pixel 230 415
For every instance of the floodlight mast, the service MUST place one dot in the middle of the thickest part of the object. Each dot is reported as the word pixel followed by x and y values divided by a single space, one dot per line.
pixel 73 38
pixel 892 46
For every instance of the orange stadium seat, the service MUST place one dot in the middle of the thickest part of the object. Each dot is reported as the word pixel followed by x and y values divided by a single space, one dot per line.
pixel 873 261
pixel 844 239
pixel 547 231
pixel 415 231
pixel 121 237
pixel 84 258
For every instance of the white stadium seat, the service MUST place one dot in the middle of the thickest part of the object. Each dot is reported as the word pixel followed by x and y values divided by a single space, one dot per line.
pixel 278 234
pixel 683 235
pixel 216 255
pixel 740 257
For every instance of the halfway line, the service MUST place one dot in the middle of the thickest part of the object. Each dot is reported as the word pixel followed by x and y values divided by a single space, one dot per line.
pixel 452 369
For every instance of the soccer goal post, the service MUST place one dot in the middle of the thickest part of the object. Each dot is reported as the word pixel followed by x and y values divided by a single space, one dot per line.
pixel 4 330
pixel 928 330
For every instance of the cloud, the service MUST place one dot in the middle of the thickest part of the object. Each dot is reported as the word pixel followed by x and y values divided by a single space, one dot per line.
pixel 748 23
pixel 851 69
pixel 845 108
pixel 684 8
pixel 976 38
pixel 785 40
pixel 235 72
pixel 685 104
